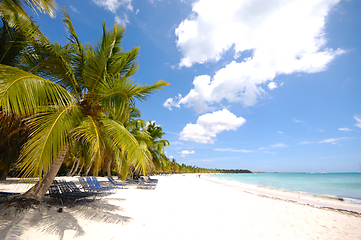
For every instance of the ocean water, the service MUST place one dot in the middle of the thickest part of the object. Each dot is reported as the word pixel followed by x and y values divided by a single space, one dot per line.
pixel 345 185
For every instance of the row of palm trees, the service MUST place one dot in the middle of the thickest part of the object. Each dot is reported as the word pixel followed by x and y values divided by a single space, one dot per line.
pixel 74 102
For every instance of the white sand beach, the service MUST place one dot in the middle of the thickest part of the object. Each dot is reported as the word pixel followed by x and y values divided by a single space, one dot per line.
pixel 181 207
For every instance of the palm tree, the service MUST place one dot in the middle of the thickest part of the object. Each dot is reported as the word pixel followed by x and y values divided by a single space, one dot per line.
pixel 72 91
pixel 157 144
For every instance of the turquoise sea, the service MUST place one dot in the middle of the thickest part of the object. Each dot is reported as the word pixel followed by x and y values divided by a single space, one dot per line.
pixel 345 185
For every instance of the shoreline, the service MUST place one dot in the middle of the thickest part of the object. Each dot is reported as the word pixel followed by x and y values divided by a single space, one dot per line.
pixel 181 207
pixel 320 201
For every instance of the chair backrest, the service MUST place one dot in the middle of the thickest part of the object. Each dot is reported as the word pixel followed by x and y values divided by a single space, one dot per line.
pixel 90 182
pixel 95 181
pixel 63 187
pixel 83 183
pixel 111 181
pixel 73 187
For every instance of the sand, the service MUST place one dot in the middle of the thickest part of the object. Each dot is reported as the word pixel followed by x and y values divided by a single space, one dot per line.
pixel 181 207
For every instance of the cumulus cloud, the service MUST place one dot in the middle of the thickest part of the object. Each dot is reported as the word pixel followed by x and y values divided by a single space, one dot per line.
pixel 272 85
pixel 186 152
pixel 209 125
pixel 113 5
pixel 172 102
pixel 284 37
pixel 358 124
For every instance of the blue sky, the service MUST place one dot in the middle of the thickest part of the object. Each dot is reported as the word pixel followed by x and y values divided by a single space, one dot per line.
pixel 254 84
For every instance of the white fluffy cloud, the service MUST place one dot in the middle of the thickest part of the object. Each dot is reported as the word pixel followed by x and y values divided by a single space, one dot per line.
pixel 284 37
pixel 172 102
pixel 209 125
pixel 272 85
pixel 113 5
pixel 186 152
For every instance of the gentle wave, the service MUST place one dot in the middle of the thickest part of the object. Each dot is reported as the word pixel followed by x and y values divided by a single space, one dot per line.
pixel 336 186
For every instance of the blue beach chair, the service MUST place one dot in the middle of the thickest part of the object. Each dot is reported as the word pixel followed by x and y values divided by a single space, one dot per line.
pixel 97 185
pixel 119 185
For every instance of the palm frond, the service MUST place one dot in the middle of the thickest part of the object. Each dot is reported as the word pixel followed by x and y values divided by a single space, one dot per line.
pixel 24 93
pixel 49 134
pixel 15 15
pixel 88 132
pixel 78 53
pixel 44 6
pixel 12 42
pixel 124 140
pixel 121 95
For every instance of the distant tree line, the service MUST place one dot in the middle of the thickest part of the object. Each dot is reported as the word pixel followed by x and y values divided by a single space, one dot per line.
pixel 233 171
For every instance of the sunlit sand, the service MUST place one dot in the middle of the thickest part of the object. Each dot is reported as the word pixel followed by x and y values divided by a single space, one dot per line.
pixel 181 207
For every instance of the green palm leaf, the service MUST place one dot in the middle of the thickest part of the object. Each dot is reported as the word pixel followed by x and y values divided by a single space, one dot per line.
pixel 124 140
pixel 49 135
pixel 24 93
pixel 88 133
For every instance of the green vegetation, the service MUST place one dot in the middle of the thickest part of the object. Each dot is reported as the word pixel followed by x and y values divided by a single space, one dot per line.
pixel 233 171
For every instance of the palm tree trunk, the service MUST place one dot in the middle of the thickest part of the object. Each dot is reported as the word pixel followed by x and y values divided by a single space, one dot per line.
pixel 38 190
pixel 81 169
pixel 3 174
pixel 71 170
pixel 74 168
pixel 109 168
pixel 88 170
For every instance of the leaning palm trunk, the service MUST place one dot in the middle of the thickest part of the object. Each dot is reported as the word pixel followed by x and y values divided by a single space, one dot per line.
pixel 81 169
pixel 109 168
pixel 38 190
pixel 88 169
pixel 74 168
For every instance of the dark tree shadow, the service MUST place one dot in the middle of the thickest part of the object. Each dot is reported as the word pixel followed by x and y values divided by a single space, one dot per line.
pixel 53 218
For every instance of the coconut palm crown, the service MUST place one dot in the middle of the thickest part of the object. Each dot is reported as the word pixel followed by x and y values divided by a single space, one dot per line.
pixel 78 93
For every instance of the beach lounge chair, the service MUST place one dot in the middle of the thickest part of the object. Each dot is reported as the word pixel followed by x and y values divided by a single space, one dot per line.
pixel 147 179
pixel 62 190
pixel 88 185
pixel 144 185
pixel 119 185
pixel 97 185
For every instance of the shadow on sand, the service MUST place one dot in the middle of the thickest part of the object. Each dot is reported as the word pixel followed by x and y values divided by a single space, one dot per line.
pixel 52 218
